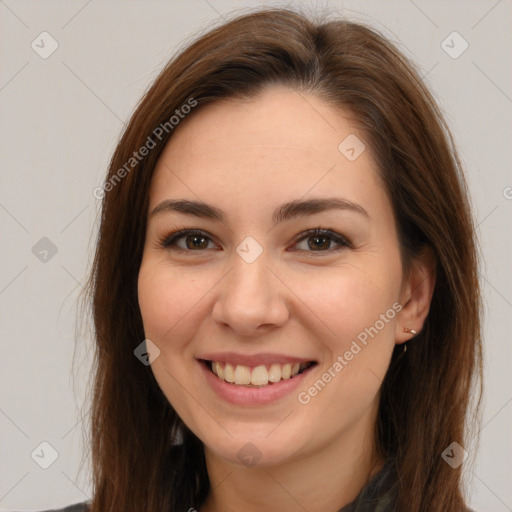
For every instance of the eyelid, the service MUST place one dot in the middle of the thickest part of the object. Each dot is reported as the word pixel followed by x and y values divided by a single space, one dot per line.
pixel 336 237
pixel 169 239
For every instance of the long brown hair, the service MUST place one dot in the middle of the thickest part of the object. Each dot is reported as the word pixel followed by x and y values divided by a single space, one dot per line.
pixel 426 393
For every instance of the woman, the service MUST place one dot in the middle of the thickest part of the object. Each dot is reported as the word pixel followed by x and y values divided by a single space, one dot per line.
pixel 285 287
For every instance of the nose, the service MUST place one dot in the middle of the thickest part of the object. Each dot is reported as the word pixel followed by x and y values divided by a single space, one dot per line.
pixel 251 299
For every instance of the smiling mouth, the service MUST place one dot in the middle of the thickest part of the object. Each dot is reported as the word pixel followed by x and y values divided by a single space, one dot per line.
pixel 258 376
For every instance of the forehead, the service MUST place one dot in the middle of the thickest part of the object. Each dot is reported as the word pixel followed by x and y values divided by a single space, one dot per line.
pixel 278 118
pixel 281 145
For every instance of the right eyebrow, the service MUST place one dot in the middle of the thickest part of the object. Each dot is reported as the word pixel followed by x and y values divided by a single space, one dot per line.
pixel 195 208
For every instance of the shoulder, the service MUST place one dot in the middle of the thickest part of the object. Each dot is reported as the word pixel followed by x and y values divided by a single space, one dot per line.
pixel 77 507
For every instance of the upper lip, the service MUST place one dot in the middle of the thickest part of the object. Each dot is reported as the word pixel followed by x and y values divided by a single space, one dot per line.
pixel 254 359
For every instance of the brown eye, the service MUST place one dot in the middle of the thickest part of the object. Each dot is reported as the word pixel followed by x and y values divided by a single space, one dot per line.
pixel 196 242
pixel 321 241
pixel 186 241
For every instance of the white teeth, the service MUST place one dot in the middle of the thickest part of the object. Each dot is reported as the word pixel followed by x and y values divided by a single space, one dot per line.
pixel 274 375
pixel 229 373
pixel 217 369
pixel 286 371
pixel 257 376
pixel 242 374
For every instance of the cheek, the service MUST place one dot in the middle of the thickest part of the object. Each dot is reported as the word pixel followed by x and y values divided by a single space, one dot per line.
pixel 348 302
pixel 357 314
pixel 165 301
pixel 169 306
pixel 354 305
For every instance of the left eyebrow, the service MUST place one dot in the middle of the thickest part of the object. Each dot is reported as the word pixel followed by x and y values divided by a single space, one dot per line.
pixel 286 211
pixel 297 208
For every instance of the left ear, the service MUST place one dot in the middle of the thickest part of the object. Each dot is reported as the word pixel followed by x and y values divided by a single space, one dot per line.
pixel 417 290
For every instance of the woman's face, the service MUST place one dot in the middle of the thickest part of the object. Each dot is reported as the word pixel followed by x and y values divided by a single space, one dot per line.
pixel 256 293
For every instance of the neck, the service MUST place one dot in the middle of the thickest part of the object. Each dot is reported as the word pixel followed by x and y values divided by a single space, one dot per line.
pixel 323 481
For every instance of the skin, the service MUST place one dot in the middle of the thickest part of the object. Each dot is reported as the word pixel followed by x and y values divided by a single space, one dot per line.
pixel 247 158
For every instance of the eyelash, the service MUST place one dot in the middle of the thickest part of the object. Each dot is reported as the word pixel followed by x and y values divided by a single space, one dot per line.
pixel 170 239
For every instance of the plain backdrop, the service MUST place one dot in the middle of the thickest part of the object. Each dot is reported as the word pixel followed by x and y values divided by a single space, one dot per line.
pixel 61 115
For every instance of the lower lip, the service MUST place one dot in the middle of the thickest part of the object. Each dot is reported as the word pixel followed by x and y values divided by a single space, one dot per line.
pixel 243 395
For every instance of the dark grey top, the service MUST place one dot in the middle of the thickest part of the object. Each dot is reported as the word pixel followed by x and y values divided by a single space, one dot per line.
pixel 378 495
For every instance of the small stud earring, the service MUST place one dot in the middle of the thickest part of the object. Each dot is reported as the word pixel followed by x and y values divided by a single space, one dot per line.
pixel 411 331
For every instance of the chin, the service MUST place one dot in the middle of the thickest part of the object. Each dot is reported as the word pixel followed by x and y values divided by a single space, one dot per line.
pixel 254 450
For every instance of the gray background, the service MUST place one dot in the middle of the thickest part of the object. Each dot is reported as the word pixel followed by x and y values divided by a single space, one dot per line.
pixel 61 117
